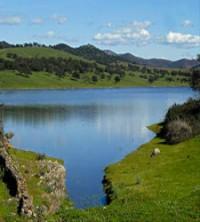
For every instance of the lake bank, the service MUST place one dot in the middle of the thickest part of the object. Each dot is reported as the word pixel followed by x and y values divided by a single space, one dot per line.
pixel 108 124
pixel 169 178
pixel 140 187
pixel 144 188
pixel 32 185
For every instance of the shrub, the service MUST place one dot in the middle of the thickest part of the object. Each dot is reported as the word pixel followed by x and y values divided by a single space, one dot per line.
pixel 189 116
pixel 117 79
pixel 196 79
pixel 137 180
pixel 94 78
pixel 177 131
pixel 103 76
pixel 40 156
pixel 76 75
pixel 9 135
pixel 1 173
pixel 152 78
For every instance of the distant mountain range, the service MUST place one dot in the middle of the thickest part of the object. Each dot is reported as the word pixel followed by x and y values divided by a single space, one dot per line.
pixel 107 56
pixel 162 63
pixel 93 53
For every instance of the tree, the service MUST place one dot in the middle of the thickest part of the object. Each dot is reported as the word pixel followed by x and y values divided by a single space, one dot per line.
pixel 117 79
pixel 198 57
pixel 151 79
pixel 94 78
pixel 76 75
pixel 196 79
pixel 1 126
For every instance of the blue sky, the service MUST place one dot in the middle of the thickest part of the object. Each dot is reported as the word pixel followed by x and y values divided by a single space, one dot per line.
pixel 147 28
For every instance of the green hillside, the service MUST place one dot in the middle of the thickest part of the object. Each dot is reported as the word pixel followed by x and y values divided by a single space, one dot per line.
pixel 45 67
pixel 37 80
pixel 30 52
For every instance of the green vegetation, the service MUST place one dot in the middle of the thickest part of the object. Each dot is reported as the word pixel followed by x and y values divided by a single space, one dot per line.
pixel 28 165
pixel 141 187
pixel 196 78
pixel 162 188
pixel 31 52
pixel 8 205
pixel 14 80
pixel 182 122
pixel 46 67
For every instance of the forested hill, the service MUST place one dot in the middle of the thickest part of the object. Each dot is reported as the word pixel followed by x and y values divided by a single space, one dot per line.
pixel 107 56
pixel 39 66
pixel 93 53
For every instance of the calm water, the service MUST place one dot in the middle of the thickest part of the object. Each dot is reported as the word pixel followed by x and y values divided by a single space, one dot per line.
pixel 88 129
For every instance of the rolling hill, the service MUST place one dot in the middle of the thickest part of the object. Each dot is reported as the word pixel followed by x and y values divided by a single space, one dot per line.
pixel 62 66
pixel 161 63
pixel 39 52
pixel 91 52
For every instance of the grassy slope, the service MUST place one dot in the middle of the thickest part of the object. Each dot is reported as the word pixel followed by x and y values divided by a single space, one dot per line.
pixel 28 166
pixel 7 206
pixel 30 52
pixel 163 188
pixel 11 80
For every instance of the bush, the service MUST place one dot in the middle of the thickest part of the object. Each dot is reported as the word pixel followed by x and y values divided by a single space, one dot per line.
pixel 196 79
pixel 94 78
pixel 40 156
pixel 179 117
pixel 1 144
pixel 103 76
pixel 9 135
pixel 117 79
pixel 1 173
pixel 177 131
pixel 152 78
pixel 76 75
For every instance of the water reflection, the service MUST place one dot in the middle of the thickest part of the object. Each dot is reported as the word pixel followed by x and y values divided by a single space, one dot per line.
pixel 89 129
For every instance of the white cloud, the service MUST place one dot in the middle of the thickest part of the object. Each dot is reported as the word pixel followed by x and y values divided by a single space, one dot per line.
pixel 109 24
pixel 37 21
pixel 183 40
pixel 136 33
pixel 59 19
pixel 10 20
pixel 187 23
pixel 50 35
pixel 47 35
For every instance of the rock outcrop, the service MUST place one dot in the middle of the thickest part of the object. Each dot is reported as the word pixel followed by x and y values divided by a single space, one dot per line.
pixel 52 176
pixel 16 183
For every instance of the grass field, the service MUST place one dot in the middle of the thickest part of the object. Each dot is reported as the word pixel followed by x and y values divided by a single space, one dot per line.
pixel 30 52
pixel 13 80
pixel 10 79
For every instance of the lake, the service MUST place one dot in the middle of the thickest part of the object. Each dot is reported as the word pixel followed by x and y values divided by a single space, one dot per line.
pixel 87 128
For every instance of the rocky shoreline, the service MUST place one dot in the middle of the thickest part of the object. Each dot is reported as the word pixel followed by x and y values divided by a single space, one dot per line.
pixel 50 176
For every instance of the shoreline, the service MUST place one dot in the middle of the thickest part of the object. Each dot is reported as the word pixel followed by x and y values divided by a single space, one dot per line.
pixel 138 181
pixel 87 88
pixel 107 182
